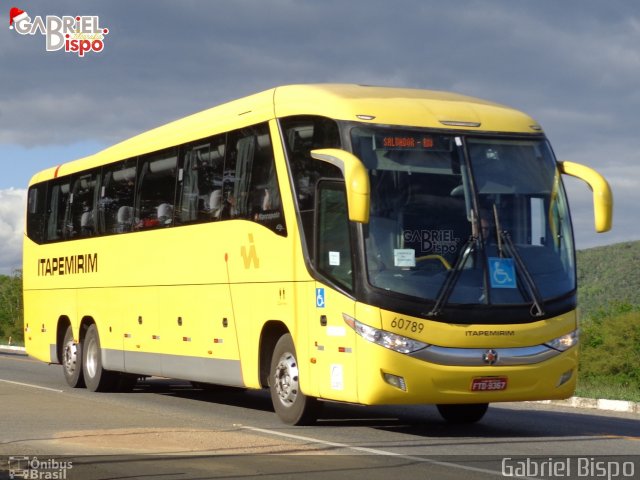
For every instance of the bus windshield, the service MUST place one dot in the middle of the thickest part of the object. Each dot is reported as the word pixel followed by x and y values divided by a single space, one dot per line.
pixel 462 220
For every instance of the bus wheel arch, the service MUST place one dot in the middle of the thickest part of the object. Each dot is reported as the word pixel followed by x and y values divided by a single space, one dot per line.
pixel 63 324
pixel 271 333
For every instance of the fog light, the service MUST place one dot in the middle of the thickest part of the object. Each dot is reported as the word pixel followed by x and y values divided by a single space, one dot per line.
pixel 395 380
pixel 565 377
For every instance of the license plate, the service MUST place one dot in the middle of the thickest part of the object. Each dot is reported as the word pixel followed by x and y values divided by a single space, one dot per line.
pixel 488 384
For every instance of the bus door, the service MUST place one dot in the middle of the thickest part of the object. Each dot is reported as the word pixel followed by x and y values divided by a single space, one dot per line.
pixel 333 340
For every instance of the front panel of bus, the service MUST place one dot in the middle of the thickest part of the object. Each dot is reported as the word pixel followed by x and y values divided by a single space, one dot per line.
pixel 460 288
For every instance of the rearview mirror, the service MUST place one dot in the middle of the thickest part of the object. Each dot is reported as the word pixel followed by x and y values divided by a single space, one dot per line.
pixel 602 196
pixel 356 180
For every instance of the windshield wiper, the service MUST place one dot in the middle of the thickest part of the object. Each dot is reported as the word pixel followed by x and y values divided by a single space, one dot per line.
pixel 506 244
pixel 452 278
pixel 523 272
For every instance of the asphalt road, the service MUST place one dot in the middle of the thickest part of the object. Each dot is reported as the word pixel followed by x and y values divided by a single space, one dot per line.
pixel 167 429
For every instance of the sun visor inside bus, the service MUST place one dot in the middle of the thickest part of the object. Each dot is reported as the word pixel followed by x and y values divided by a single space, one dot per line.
pixel 125 175
pixel 264 140
pixel 164 165
pixel 215 154
pixel 85 184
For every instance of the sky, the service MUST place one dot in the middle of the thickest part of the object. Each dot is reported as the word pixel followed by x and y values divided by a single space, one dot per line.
pixel 572 65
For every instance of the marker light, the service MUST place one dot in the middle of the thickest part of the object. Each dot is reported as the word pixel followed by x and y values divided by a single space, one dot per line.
pixel 389 340
pixel 565 341
pixel 459 123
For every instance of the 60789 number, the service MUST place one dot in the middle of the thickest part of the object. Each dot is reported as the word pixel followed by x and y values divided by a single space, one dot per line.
pixel 407 325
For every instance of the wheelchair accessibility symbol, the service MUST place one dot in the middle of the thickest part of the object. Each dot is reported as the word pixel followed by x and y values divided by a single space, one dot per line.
pixel 320 297
pixel 502 272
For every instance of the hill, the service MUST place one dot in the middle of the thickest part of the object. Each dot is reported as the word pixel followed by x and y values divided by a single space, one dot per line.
pixel 609 279
pixel 609 306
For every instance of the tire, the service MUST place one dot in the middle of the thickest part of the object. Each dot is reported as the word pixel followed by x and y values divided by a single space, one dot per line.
pixel 291 405
pixel 96 378
pixel 463 413
pixel 72 360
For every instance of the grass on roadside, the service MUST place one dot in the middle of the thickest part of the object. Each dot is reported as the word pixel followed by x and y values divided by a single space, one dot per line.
pixel 600 389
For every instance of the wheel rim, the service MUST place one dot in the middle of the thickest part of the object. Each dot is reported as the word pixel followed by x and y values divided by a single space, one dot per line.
pixel 70 357
pixel 286 379
pixel 91 362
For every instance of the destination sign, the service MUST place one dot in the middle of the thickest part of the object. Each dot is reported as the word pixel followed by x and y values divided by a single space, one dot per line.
pixel 412 141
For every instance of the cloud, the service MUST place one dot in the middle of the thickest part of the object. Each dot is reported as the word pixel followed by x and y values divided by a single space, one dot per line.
pixel 12 211
pixel 572 65
pixel 161 63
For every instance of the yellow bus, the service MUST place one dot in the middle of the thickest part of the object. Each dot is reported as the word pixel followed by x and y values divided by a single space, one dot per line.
pixel 346 243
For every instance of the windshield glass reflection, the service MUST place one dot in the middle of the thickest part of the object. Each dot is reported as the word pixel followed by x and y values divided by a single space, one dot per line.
pixel 439 221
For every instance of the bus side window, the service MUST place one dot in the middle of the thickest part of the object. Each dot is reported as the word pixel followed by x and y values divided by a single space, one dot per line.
pixel 202 171
pixel 333 244
pixel 57 201
pixel 250 184
pixel 116 196
pixel 36 212
pixel 82 214
pixel 266 202
pixel 156 190
pixel 303 134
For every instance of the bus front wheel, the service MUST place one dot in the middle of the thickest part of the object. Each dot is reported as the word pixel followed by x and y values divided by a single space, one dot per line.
pixel 72 360
pixel 291 405
pixel 463 413
pixel 96 378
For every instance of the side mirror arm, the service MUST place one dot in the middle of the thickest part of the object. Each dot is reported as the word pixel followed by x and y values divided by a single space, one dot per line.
pixel 602 196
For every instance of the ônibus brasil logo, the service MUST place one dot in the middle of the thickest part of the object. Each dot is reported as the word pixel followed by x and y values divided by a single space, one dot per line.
pixel 80 34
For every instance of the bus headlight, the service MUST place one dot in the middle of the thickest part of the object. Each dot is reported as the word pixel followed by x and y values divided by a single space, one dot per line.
pixel 389 340
pixel 564 342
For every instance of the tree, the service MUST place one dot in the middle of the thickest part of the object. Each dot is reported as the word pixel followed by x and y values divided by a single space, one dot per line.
pixel 11 307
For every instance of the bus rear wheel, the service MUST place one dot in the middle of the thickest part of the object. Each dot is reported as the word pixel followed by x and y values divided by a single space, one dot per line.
pixel 96 378
pixel 463 413
pixel 72 360
pixel 291 405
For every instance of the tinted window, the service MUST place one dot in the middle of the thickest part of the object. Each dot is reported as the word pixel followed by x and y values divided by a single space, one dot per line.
pixel 303 134
pixel 202 173
pixel 59 194
pixel 156 190
pixel 117 197
pixel 333 246
pixel 228 176
pixel 81 219
pixel 37 212
pixel 250 185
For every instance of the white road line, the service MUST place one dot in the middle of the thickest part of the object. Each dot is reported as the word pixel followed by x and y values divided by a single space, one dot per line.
pixel 32 386
pixel 375 451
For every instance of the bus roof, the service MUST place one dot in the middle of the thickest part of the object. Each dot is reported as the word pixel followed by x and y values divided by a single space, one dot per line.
pixel 378 105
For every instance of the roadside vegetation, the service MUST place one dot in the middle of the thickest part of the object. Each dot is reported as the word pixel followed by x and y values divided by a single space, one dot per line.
pixel 11 331
pixel 609 312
